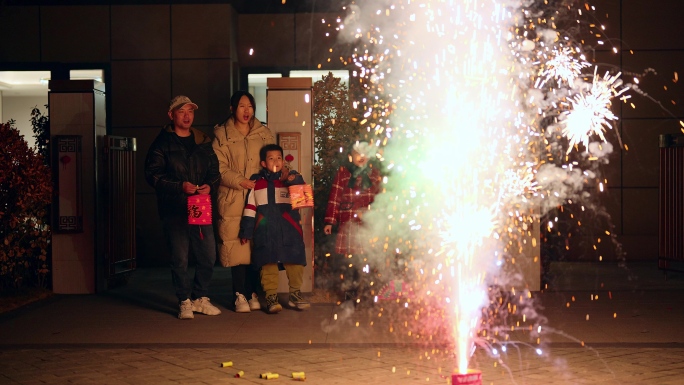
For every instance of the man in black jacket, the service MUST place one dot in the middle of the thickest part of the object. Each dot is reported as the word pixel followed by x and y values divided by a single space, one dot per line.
pixel 180 163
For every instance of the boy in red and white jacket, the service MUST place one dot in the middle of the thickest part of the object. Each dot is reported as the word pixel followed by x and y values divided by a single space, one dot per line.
pixel 269 220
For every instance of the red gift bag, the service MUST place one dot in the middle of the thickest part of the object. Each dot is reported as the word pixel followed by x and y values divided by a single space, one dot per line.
pixel 301 195
pixel 199 209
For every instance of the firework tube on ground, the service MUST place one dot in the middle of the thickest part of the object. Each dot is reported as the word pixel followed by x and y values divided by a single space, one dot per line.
pixel 239 374
pixel 226 364
pixel 300 376
pixel 472 377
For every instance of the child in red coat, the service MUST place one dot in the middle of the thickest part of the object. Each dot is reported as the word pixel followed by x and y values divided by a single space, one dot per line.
pixel 352 192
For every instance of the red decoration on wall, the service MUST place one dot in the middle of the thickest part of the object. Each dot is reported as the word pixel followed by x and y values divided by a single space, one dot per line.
pixel 65 160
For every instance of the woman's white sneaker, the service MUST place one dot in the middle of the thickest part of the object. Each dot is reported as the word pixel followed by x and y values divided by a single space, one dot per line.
pixel 254 302
pixel 241 305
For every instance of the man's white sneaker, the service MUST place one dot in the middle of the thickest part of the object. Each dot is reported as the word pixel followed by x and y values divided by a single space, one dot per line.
pixel 254 302
pixel 241 305
pixel 202 305
pixel 185 311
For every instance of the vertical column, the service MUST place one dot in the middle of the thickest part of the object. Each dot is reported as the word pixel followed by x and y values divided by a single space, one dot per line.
pixel 290 117
pixel 77 110
pixel 529 263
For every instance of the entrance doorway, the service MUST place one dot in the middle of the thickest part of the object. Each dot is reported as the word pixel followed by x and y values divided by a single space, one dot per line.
pixel 21 91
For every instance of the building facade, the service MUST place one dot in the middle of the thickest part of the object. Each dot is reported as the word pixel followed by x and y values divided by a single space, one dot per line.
pixel 150 51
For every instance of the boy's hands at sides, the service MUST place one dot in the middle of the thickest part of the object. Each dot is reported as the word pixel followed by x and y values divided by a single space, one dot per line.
pixel 327 230
pixel 243 241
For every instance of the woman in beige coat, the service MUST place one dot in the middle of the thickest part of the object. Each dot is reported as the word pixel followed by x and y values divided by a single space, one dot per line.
pixel 237 143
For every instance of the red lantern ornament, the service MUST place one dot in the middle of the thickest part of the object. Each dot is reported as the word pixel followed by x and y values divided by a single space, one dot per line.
pixel 65 160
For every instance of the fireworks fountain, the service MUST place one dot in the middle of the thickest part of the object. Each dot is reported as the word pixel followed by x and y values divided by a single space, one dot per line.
pixel 477 106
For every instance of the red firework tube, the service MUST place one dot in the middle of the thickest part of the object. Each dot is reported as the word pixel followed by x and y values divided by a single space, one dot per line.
pixel 472 377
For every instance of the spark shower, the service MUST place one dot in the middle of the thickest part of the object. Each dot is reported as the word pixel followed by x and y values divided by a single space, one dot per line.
pixel 486 115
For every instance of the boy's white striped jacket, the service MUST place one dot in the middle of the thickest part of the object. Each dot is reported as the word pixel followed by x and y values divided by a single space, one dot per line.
pixel 268 219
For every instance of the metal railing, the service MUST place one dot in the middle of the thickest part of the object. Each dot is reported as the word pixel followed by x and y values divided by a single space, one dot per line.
pixel 671 202
pixel 120 201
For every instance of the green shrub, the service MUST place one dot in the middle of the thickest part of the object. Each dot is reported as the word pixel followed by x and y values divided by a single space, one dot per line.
pixel 25 195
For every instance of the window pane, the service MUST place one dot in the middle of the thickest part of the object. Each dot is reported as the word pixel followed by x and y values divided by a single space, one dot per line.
pixel 96 75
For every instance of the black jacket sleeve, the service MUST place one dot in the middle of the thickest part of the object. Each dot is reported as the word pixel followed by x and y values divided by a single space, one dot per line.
pixel 213 177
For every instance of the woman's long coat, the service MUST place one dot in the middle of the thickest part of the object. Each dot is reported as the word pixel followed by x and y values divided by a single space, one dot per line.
pixel 238 156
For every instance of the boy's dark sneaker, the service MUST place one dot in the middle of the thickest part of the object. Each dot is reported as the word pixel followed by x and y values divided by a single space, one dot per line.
pixel 272 304
pixel 297 301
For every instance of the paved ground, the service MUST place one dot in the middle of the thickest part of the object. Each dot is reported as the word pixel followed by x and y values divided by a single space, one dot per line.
pixel 605 325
